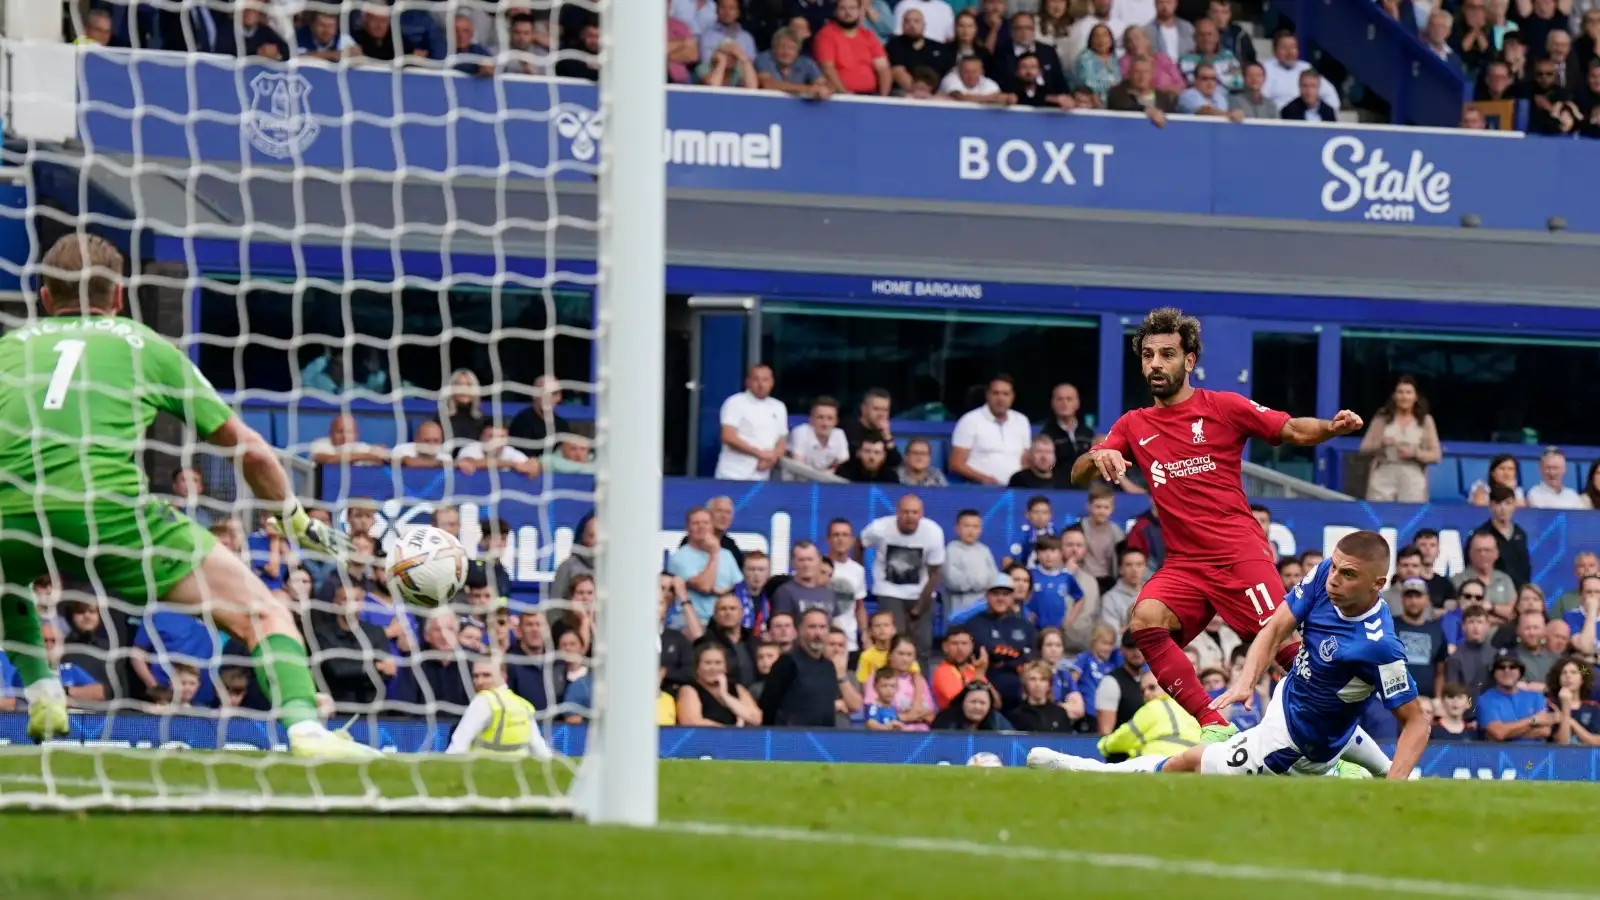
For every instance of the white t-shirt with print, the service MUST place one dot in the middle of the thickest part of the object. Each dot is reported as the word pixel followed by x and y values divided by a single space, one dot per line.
pixel 759 423
pixel 900 567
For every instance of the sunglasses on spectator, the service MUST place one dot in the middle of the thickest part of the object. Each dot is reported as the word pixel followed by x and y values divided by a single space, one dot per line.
pixel 1505 666
pixel 1472 596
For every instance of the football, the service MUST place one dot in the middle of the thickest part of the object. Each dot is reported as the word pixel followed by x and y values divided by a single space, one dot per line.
pixel 427 566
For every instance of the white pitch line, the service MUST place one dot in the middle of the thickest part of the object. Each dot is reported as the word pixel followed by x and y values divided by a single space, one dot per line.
pixel 1194 867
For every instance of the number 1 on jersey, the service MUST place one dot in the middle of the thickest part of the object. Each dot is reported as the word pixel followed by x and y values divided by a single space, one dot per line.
pixel 1259 599
pixel 71 351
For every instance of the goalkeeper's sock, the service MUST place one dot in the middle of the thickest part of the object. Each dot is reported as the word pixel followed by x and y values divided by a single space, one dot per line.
pixel 19 626
pixel 285 676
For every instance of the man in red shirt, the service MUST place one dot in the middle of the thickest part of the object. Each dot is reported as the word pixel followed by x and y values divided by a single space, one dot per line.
pixel 852 58
pixel 1189 445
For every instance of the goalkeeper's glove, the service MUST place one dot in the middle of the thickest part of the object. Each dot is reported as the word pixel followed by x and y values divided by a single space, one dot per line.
pixel 313 535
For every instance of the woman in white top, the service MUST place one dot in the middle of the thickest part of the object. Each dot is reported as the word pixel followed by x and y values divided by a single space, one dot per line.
pixel 1502 470
pixel 1402 442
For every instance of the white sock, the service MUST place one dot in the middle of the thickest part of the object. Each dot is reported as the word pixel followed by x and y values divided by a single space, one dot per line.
pixel 307 727
pixel 1144 764
pixel 1365 752
pixel 44 689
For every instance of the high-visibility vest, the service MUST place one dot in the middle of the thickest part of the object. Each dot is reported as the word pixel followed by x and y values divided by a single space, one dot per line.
pixel 511 723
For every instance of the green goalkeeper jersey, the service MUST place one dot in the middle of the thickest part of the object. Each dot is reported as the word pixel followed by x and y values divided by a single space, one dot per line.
pixel 76 397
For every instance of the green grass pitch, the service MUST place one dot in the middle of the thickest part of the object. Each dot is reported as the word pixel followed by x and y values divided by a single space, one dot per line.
pixel 763 830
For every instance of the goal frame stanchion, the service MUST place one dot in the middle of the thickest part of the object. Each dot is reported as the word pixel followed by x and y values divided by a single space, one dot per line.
pixel 617 783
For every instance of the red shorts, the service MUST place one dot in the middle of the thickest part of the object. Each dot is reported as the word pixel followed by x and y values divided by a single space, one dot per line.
pixel 1244 593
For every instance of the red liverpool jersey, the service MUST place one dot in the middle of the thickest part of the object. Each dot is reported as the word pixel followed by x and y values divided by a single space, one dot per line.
pixel 1190 455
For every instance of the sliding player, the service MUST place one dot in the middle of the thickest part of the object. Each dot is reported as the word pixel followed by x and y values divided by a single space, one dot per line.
pixel 78 389
pixel 1189 445
pixel 1350 656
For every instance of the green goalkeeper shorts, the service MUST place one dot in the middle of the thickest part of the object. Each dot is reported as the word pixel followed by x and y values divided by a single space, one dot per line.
pixel 135 553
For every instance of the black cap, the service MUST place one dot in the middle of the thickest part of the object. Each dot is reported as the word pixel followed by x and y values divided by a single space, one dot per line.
pixel 1129 641
pixel 1509 660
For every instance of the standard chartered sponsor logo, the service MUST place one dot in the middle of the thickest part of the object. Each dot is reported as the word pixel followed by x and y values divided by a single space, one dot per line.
pixel 1382 192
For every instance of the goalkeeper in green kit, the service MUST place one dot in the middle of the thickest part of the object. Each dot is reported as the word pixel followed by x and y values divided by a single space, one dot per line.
pixel 78 388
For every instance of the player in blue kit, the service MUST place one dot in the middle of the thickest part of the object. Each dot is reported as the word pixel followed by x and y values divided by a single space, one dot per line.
pixel 1350 656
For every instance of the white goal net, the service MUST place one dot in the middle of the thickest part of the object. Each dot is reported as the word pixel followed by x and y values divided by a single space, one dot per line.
pixel 418 249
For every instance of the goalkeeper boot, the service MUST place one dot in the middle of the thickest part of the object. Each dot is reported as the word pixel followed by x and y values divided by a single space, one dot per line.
pixel 310 740
pixel 47 711
pixel 1216 734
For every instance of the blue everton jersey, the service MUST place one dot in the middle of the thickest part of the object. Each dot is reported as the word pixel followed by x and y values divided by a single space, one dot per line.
pixel 1343 663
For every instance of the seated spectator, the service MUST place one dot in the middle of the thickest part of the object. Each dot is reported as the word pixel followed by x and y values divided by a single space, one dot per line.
pixel 1138 94
pixel 967 82
pixel 706 568
pixel 471 57
pixel 344 445
pixel 1436 39
pixel 1497 84
pixel 1471 659
pixel 989 442
pixel 782 631
pixel 461 410
pixel 1552 492
pixel 575 612
pixel 1569 688
pixel 1283 74
pixel 578 698
pixel 1208 50
pixel 912 700
pixel 1251 101
pixel 1554 109
pixel 1500 591
pixel 1214 644
pixel 1470 39
pixel 426 449
pixel 805 682
pixel 351 655
pixel 583 66
pixel 1529 600
pixel 97 29
pixel 321 38
pixel 881 712
pixel 972 710
pixel 493 450
pixel 1451 724
pixel 913 48
pixel 1507 712
pixel 1168 34
pixel 872 416
pixel 754 596
pixel 197 28
pixel 809 587
pixel 1422 638
pixel 1063 677
pixel 1031 87
pixel 1589 104
pixel 1309 106
pixel 933 18
pixel 1118 695
pixel 916 469
pixel 1165 76
pixel 88 641
pixel 375 37
pixel 852 57
pixel 819 442
pixel 966 41
pixel 539 427
pixel 528 51
pixel 1055 23
pixel 725 30
pixel 958 667
pixel 738 642
pixel 766 655
pixel 166 639
pixel 755 430
pixel 1116 604
pixel 579 561
pixel 1235 37
pixel 1050 77
pixel 259 37
pixel 677 651
pixel 785 69
pixel 1511 540
pixel 1054 588
pixel 1006 637
pixel 1040 469
pixel 1207 97
pixel 80 684
pixel 870 465
pixel 1530 650
pixel 1038 711
pixel 728 67
pixel 713 700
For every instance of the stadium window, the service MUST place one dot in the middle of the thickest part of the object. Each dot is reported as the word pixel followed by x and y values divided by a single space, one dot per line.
pixel 935 363
pixel 235 358
pixel 1479 387
pixel 1283 375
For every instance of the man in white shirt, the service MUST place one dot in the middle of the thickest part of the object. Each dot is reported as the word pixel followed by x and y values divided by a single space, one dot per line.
pixel 841 547
pixel 755 429
pixel 492 450
pixel 344 445
pixel 1283 74
pixel 967 82
pixel 426 450
pixel 990 442
pixel 1552 492
pixel 906 569
pixel 939 20
pixel 820 443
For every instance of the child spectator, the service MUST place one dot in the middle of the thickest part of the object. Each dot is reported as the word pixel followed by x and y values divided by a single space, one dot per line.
pixel 767 653
pixel 1052 585
pixel 880 639
pixel 1101 535
pixel 1038 712
pixel 958 668
pixel 757 570
pixel 1063 677
pixel 235 685
pixel 1095 663
pixel 881 713
pixel 969 569
pixel 1038 521
pixel 1454 701
pixel 912 699
pixel 1237 715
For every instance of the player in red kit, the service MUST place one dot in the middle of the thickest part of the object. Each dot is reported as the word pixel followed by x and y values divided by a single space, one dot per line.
pixel 1189 445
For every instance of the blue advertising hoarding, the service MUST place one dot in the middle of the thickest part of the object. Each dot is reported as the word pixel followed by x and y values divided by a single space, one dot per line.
pixel 223 112
pixel 1461 760
pixel 772 516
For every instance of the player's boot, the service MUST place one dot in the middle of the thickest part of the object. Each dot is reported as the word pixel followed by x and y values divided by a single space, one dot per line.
pixel 1216 734
pixel 1347 769
pixel 1045 758
pixel 310 740
pixel 47 711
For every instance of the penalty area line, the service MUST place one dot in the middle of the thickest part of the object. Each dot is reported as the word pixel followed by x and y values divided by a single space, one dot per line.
pixel 1199 868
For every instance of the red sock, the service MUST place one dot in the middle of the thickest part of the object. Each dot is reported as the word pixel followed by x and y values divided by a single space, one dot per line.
pixel 1176 676
pixel 1286 654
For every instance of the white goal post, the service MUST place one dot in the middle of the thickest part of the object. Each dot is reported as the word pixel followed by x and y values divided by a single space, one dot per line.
pixel 161 207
